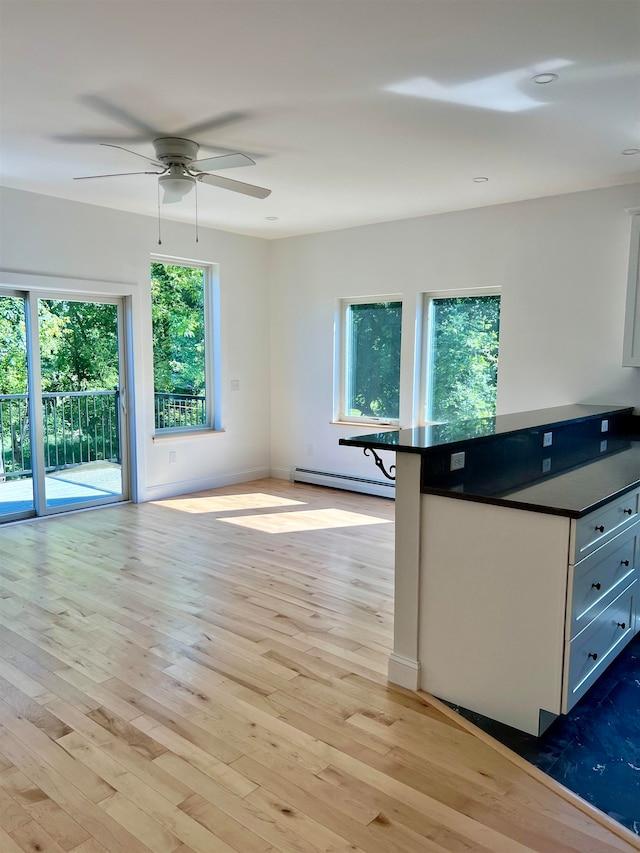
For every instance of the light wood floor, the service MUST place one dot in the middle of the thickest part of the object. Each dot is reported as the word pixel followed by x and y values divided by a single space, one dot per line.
pixel 208 673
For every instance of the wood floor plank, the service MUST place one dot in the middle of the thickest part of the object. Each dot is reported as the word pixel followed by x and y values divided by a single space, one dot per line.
pixel 139 824
pixel 208 673
pixel 66 831
pixel 101 827
pixel 144 797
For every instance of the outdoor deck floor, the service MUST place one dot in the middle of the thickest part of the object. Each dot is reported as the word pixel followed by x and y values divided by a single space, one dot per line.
pixel 73 485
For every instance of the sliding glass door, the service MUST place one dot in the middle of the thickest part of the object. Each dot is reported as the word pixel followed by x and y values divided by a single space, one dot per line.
pixel 16 473
pixel 63 431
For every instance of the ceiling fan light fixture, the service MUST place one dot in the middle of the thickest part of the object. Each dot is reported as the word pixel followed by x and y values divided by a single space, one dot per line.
pixel 175 187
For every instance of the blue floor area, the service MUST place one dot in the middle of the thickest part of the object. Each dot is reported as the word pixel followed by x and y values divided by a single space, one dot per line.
pixel 79 484
pixel 595 749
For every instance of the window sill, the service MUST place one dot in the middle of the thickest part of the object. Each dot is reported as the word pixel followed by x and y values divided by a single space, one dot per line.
pixel 368 425
pixel 182 435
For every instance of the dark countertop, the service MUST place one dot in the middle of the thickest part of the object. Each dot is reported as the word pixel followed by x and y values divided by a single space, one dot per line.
pixel 571 493
pixel 419 439
pixel 506 460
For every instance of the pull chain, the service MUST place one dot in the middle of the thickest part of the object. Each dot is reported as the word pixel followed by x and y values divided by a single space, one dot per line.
pixel 159 236
pixel 196 211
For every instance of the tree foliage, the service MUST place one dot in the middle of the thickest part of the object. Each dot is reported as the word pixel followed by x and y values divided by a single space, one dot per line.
pixel 178 317
pixel 373 382
pixel 13 353
pixel 78 345
pixel 464 358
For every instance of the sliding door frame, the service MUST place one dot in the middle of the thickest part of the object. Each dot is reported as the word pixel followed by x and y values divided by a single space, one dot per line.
pixel 32 288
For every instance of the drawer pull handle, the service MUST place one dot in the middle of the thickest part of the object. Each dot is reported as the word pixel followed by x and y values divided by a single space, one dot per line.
pixel 622 625
pixel 596 585
pixel 600 528
pixel 593 655
pixel 624 562
pixel 628 512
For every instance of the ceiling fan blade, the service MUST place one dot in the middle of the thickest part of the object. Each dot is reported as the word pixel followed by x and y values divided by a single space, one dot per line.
pixel 129 151
pixel 225 161
pixel 104 106
pixel 221 149
pixel 90 139
pixel 234 186
pixel 211 124
pixel 114 175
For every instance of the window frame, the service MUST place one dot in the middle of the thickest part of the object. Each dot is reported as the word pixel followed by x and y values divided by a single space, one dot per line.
pixel 212 361
pixel 341 359
pixel 426 360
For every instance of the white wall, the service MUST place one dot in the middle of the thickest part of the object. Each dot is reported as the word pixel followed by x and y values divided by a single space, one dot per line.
pixel 561 263
pixel 44 237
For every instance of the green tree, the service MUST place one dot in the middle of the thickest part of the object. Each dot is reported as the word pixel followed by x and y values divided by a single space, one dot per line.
pixel 464 358
pixel 13 352
pixel 177 310
pixel 78 345
pixel 374 330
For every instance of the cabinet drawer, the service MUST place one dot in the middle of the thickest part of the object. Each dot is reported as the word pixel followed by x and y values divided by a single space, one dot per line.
pixel 597 577
pixel 592 650
pixel 596 528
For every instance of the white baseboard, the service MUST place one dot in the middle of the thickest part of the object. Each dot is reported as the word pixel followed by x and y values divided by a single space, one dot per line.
pixel 281 473
pixel 404 671
pixel 379 488
pixel 187 487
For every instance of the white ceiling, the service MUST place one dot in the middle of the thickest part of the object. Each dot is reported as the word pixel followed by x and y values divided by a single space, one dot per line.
pixel 361 110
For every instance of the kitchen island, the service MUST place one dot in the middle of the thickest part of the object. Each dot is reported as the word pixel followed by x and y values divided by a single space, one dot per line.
pixel 516 557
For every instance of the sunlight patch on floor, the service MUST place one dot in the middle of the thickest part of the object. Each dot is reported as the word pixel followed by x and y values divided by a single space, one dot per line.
pixel 225 503
pixel 313 519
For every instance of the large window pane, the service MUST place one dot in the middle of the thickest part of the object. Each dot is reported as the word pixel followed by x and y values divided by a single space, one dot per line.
pixel 372 360
pixel 81 427
pixel 179 346
pixel 463 357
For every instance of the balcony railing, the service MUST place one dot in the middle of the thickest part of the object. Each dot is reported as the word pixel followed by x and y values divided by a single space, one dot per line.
pixel 179 410
pixel 78 427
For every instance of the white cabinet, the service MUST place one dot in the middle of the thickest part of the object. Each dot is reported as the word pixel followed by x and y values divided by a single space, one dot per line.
pixel 521 611
pixel 602 593
pixel 631 347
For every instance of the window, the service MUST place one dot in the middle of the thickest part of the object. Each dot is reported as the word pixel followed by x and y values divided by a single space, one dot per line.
pixel 183 315
pixel 460 362
pixel 369 381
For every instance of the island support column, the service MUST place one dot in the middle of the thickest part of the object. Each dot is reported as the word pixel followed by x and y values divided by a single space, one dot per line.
pixel 404 668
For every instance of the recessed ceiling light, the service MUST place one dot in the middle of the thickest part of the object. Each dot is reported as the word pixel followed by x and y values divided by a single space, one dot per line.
pixel 544 78
pixel 480 180
pixel 631 151
pixel 271 218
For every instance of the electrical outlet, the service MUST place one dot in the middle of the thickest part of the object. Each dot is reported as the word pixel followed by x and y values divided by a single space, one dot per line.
pixel 309 449
pixel 603 445
pixel 604 426
pixel 547 439
pixel 457 461
pixel 546 465
pixel 172 457
pixel 235 384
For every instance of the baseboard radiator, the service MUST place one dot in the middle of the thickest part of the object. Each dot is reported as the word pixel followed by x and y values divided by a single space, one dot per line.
pixel 344 481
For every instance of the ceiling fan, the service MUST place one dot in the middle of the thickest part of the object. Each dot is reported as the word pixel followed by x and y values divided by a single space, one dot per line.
pixel 180 170
pixel 175 154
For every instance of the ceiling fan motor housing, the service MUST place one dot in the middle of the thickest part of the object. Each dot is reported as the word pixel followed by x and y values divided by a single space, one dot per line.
pixel 172 150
